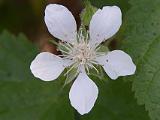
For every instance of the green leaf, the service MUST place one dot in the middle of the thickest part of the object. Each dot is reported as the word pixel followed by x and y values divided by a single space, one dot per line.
pixel 116 102
pixel 146 83
pixel 23 97
pixel 140 34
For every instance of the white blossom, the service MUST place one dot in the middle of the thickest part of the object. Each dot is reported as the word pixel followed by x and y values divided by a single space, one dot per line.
pixel 81 52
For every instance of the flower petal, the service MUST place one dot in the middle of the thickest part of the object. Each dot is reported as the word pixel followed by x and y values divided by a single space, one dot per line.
pixel 104 24
pixel 47 66
pixel 117 63
pixel 60 22
pixel 83 94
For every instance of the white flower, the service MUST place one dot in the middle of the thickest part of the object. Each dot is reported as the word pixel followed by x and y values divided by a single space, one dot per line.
pixel 82 54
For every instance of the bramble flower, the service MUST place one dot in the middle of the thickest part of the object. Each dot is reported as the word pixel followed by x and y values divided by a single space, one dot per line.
pixel 81 51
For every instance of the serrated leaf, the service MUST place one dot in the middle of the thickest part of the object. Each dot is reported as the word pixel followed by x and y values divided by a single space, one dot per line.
pixel 23 97
pixel 141 40
pixel 146 83
pixel 116 102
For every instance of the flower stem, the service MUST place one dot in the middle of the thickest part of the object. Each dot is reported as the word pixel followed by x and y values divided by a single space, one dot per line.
pixel 77 116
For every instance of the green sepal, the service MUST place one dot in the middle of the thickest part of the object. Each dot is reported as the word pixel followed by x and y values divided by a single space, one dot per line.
pixel 70 76
pixel 63 47
pixel 103 48
pixel 54 42
pixel 87 13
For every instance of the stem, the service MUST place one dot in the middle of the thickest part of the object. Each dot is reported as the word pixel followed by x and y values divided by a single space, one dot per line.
pixel 77 116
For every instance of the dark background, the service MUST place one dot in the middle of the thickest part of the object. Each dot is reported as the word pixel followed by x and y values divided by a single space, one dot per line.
pixel 26 16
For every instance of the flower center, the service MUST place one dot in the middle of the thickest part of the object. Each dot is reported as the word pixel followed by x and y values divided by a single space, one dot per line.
pixel 82 53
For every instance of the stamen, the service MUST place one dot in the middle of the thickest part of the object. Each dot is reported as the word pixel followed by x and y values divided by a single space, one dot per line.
pixel 63 55
pixel 87 69
pixel 64 51
pixel 69 45
pixel 98 48
pixel 94 68
pixel 94 62
pixel 73 66
pixel 98 54
pixel 80 52
pixel 65 45
pixel 87 36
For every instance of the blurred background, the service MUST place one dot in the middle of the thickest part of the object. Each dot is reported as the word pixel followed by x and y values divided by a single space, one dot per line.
pixel 21 16
pixel 26 16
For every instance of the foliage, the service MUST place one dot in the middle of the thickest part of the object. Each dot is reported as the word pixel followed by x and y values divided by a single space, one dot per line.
pixel 141 39
pixel 23 97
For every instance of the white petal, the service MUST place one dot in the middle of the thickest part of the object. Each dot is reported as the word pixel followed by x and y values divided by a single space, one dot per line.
pixel 104 24
pixel 47 66
pixel 60 22
pixel 83 94
pixel 117 63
